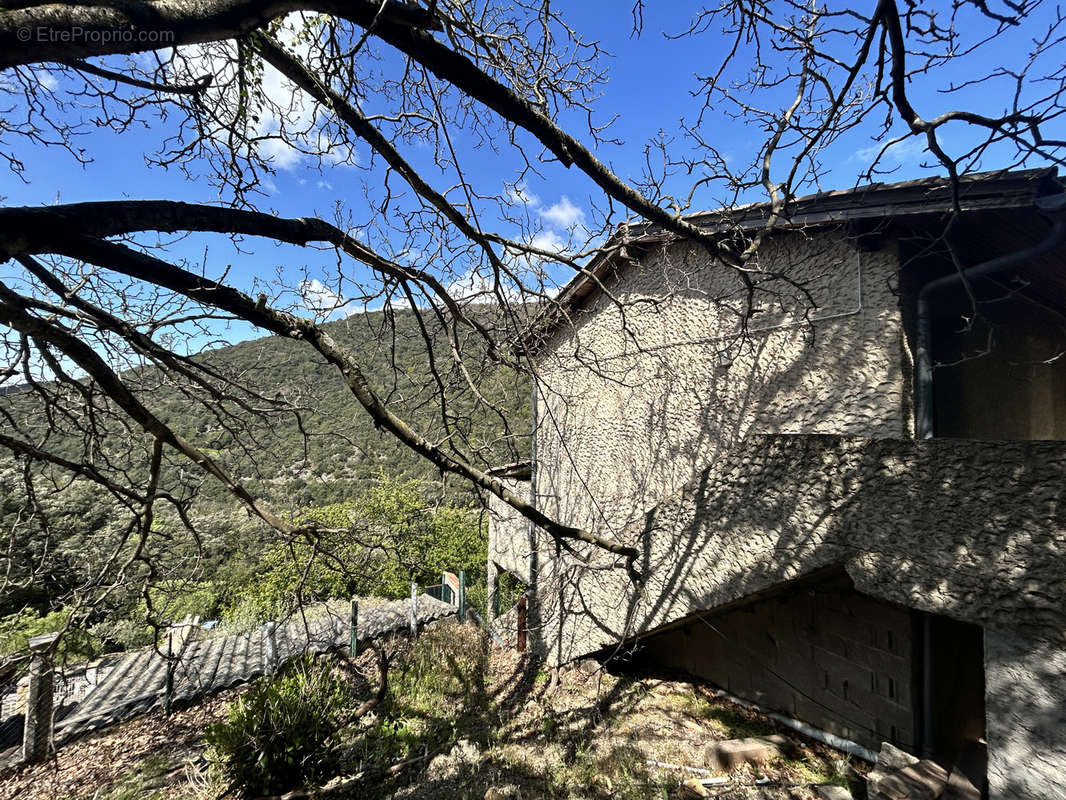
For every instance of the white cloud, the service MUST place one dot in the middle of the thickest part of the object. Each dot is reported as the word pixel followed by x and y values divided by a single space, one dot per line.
pixel 478 287
pixel 905 151
pixel 519 195
pixel 336 154
pixel 474 286
pixel 288 126
pixel 563 214
pixel 324 185
pixel 411 256
pixel 549 240
pixel 279 152
pixel 47 79
pixel 320 299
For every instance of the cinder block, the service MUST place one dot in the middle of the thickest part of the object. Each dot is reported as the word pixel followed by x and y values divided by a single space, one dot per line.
pixel 841 669
pixel 732 753
pixel 876 659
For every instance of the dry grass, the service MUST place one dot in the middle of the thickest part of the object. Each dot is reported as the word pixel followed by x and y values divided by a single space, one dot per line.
pixel 482 717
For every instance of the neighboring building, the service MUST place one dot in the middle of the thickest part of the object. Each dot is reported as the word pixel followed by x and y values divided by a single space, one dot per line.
pixel 802 544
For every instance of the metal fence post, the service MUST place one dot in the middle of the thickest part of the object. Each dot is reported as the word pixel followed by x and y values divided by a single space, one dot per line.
pixel 353 648
pixel 271 641
pixel 414 609
pixel 168 692
pixel 462 596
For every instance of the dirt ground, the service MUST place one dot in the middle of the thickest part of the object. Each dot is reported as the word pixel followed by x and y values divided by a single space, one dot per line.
pixel 590 734
pixel 494 726
pixel 151 756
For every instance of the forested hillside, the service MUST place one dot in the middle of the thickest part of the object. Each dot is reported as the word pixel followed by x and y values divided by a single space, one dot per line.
pixel 339 449
pixel 296 439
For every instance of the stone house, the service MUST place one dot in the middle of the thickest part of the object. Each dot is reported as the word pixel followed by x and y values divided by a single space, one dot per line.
pixel 853 512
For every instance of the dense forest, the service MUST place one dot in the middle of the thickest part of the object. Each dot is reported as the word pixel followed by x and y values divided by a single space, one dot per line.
pixel 392 518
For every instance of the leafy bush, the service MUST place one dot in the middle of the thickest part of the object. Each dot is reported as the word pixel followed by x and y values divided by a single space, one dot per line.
pixel 436 695
pixel 127 633
pixel 281 734
pixel 174 599
pixel 388 537
pixel 17 629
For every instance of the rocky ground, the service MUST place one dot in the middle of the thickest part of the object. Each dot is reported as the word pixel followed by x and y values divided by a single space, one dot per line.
pixel 476 721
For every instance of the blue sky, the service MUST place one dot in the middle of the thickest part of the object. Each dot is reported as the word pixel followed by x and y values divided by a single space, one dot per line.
pixel 648 91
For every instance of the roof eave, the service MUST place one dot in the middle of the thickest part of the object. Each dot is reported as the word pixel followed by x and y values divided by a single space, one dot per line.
pixel 996 190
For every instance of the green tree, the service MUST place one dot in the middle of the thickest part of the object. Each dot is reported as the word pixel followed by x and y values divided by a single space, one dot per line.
pixel 376 544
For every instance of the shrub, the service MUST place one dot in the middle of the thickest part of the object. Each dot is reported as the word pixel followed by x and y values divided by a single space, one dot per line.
pixel 17 629
pixel 282 733
pixel 398 538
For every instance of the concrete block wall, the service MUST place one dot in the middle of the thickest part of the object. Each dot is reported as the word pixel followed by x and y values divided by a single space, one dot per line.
pixel 829 656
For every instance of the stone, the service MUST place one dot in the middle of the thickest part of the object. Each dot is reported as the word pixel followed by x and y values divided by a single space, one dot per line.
pixel 442 767
pixel 41 643
pixel 960 788
pixel 969 773
pixel 922 781
pixel 732 753
pixel 889 760
pixel 447 765
pixel 37 726
pixel 466 750
pixel 892 758
pixel 507 792
pixel 830 791
pixel 692 789
pixel 587 666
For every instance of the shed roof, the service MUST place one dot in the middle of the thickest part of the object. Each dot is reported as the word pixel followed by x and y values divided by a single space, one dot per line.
pixel 979 191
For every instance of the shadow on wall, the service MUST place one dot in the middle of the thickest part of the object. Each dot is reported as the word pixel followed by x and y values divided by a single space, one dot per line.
pixel 967 529
pixel 973 530
pixel 644 389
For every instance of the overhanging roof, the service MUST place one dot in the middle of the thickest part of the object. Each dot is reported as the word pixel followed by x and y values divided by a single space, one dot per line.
pixel 979 191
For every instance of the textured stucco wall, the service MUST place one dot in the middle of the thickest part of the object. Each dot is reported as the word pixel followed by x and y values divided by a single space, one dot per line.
pixel 509 534
pixel 826 655
pixel 646 385
pixel 972 530
pixel 1025 706
pixel 735 466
